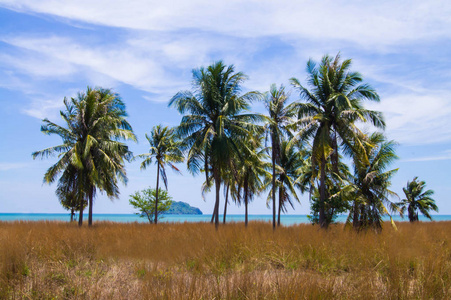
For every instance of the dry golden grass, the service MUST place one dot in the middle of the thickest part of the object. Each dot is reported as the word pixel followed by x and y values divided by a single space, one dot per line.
pixel 47 260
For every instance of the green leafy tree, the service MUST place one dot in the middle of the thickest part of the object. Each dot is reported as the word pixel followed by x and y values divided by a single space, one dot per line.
pixel 165 149
pixel 213 122
pixel 417 199
pixel 328 116
pixel 146 202
pixel 280 117
pixel 371 183
pixel 92 144
pixel 337 202
pixel 337 190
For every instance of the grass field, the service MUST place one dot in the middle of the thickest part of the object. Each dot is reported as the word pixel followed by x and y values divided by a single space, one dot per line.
pixel 54 260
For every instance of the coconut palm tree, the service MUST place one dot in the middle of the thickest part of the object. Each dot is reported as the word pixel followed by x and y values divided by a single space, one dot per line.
pixel 213 122
pixel 417 200
pixel 332 106
pixel 95 125
pixel 70 193
pixel 292 161
pixel 277 122
pixel 371 182
pixel 165 148
pixel 252 168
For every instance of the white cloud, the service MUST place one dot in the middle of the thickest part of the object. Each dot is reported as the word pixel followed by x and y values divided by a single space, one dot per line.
pixel 175 37
pixel 416 119
pixel 445 155
pixel 155 63
pixel 12 166
pixel 38 65
pixel 43 108
pixel 371 24
pixel 137 62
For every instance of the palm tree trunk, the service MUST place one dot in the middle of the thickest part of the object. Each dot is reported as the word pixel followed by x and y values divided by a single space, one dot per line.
pixel 322 215
pixel 225 204
pixel 335 152
pixel 156 193
pixel 91 192
pixel 246 220
pixel 218 187
pixel 213 215
pixel 71 214
pixel 355 217
pixel 273 187
pixel 413 217
pixel 80 217
pixel 280 205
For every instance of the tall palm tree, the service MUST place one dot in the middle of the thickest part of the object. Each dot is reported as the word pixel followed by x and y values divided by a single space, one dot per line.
pixel 371 182
pixel 95 125
pixel 213 124
pixel 417 200
pixel 333 105
pixel 166 149
pixel 278 120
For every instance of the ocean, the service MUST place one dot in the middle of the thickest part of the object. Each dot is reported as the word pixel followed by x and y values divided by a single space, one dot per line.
pixel 127 218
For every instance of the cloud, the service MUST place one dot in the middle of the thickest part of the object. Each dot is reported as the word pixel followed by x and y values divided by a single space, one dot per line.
pixel 147 64
pixel 12 166
pixel 38 66
pixel 44 108
pixel 445 155
pixel 154 62
pixel 416 119
pixel 270 41
pixel 370 24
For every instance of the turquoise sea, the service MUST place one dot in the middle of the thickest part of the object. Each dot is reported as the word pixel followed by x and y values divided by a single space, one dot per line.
pixel 126 218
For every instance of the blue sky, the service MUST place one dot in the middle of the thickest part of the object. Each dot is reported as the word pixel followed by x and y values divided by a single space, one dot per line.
pixel 145 51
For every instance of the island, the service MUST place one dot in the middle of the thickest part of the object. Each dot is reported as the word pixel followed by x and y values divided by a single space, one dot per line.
pixel 182 208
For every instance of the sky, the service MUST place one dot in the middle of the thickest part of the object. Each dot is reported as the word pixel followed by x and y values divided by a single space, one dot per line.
pixel 146 51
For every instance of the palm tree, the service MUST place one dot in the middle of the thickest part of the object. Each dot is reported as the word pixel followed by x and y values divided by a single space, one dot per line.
pixel 166 149
pixel 213 124
pixel 70 194
pixel 333 105
pixel 95 125
pixel 292 161
pixel 417 200
pixel 371 181
pixel 280 117
pixel 251 172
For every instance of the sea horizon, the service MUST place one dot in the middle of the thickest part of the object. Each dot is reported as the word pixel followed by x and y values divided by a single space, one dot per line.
pixel 180 218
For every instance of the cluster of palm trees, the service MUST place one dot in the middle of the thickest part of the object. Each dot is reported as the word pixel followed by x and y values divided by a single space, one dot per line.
pixel 296 147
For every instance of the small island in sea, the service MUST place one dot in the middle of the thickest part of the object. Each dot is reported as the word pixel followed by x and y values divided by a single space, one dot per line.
pixel 183 208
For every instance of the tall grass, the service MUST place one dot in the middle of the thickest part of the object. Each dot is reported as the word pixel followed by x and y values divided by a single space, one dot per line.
pixel 44 260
